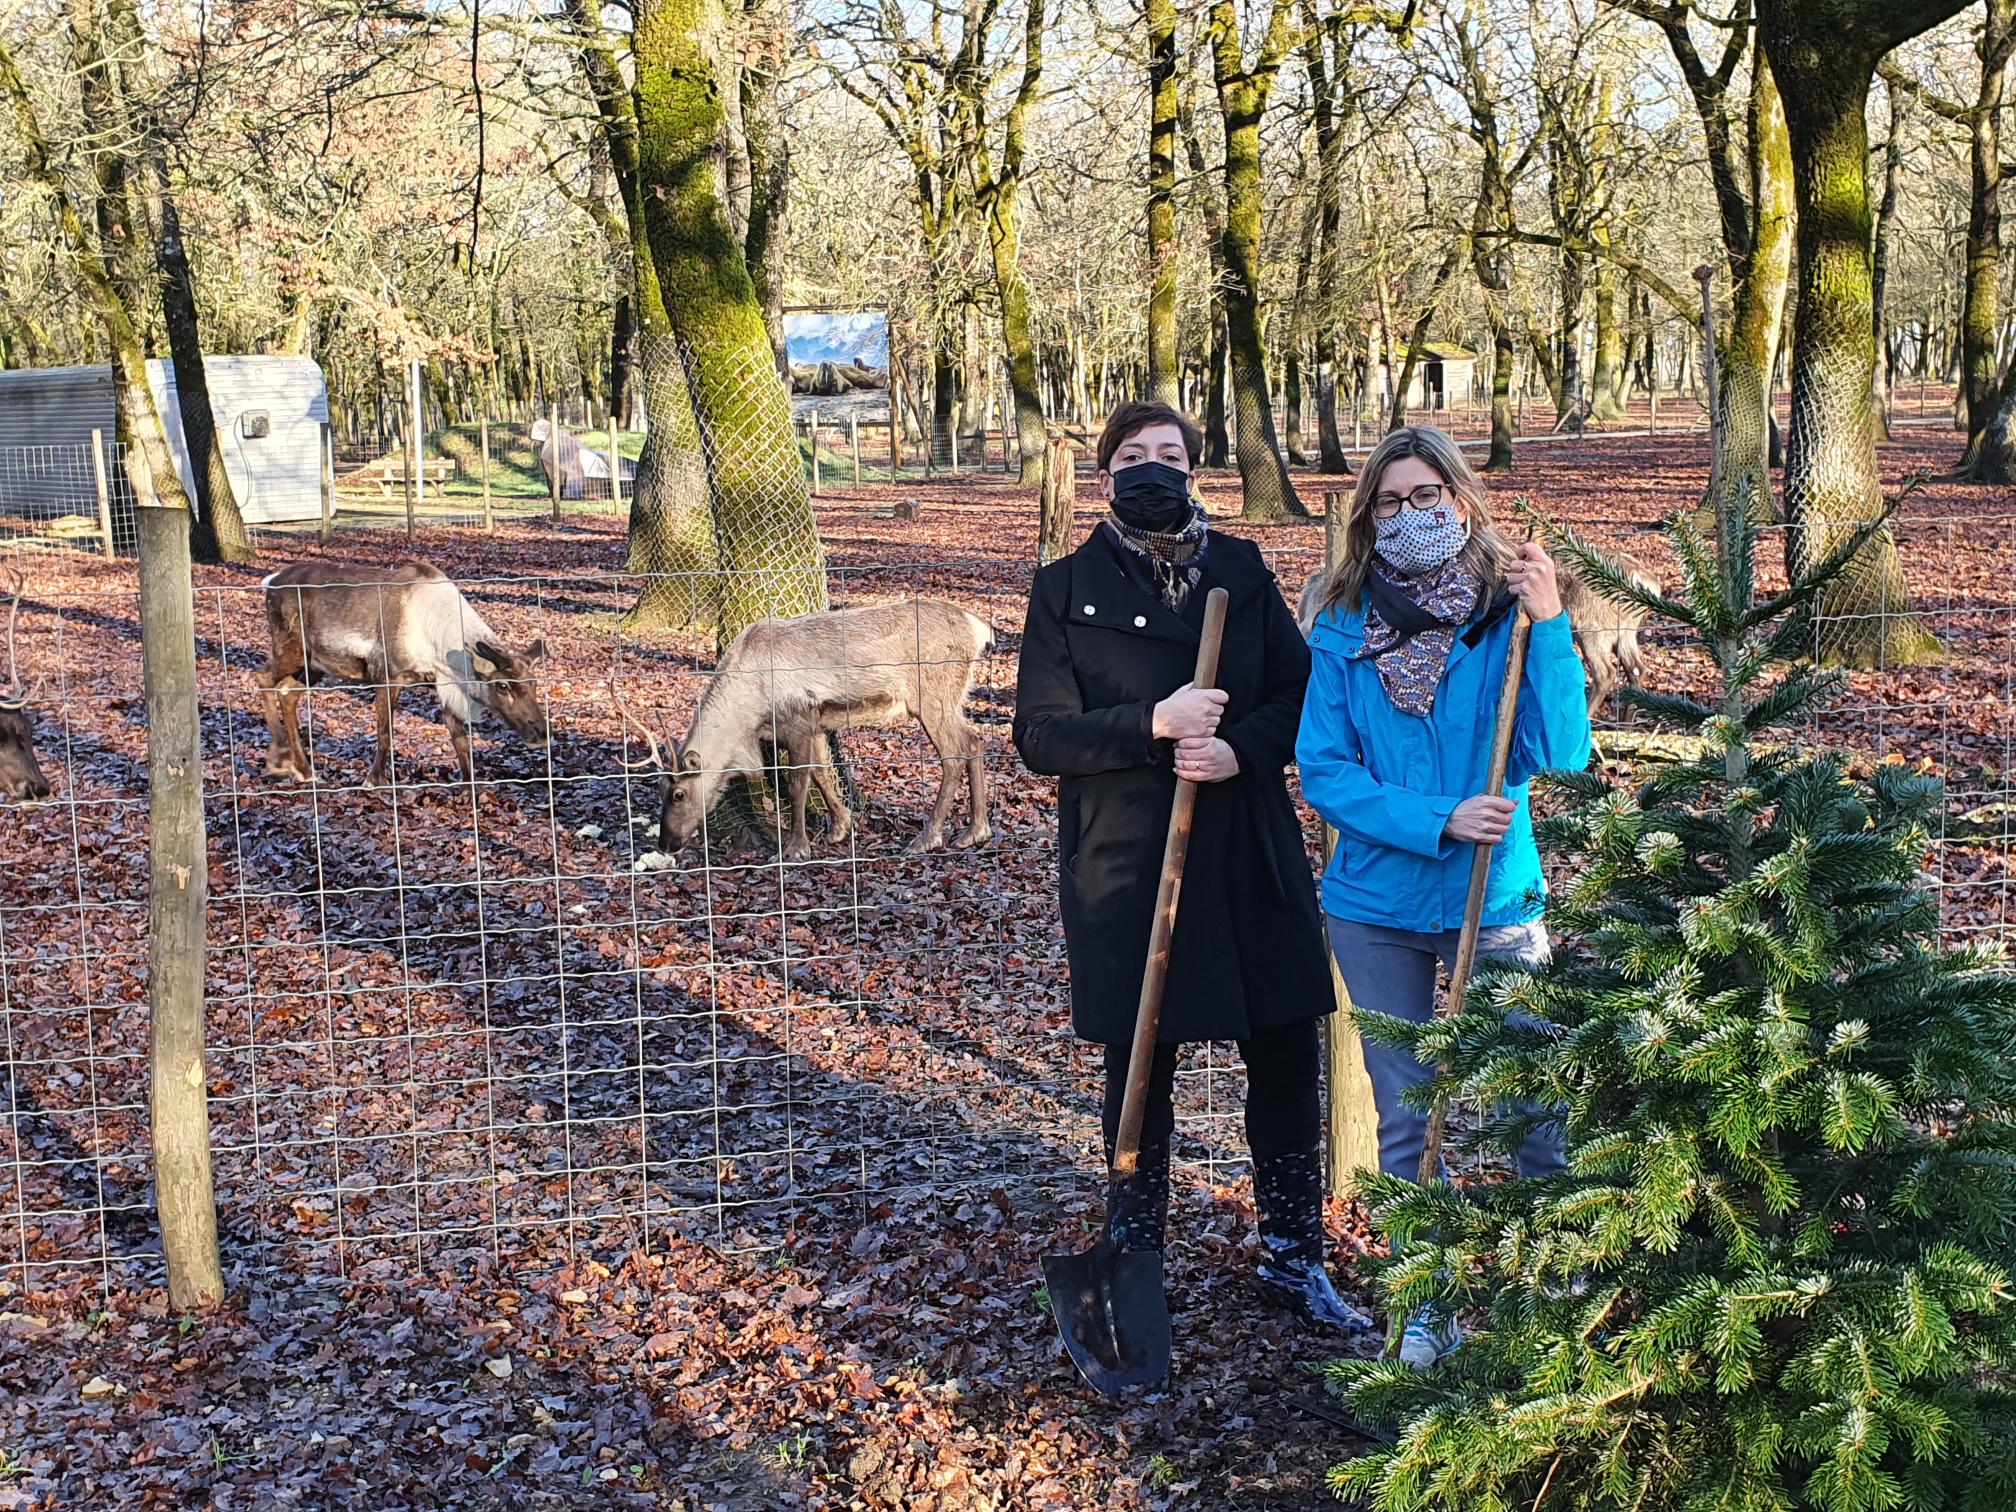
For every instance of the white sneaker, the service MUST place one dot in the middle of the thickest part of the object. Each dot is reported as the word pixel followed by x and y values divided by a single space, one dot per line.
pixel 1430 1335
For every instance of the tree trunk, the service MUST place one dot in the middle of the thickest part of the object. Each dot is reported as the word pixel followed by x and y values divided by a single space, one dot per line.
pixel 1610 385
pixel 1749 350
pixel 1242 97
pixel 217 530
pixel 1162 243
pixel 771 559
pixel 1831 482
pixel 1979 316
pixel 1217 441
pixel 622 358
pixel 769 162
pixel 1503 355
pixel 997 198
pixel 1879 282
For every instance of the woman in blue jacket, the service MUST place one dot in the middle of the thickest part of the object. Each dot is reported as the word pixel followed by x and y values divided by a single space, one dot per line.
pixel 1408 657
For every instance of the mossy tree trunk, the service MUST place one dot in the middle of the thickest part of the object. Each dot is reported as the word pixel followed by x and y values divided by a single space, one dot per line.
pixel 996 197
pixel 671 520
pixel 1329 87
pixel 1823 54
pixel 771 559
pixel 766 150
pixel 1163 378
pixel 1243 89
pixel 1217 438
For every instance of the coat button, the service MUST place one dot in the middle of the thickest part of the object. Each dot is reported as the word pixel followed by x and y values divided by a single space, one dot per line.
pixel 1140 622
pixel 1090 611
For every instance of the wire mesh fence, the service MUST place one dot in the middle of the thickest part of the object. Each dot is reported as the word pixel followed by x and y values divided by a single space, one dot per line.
pixel 65 497
pixel 458 1025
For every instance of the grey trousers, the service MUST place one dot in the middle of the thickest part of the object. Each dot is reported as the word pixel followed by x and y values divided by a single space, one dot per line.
pixel 1392 971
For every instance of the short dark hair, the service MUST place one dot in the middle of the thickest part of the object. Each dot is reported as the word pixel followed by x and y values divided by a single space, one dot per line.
pixel 1135 416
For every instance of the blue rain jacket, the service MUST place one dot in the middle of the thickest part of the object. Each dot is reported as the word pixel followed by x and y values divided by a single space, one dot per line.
pixel 1387 781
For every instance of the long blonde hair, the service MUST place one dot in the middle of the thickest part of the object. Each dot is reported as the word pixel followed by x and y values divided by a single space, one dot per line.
pixel 1484 554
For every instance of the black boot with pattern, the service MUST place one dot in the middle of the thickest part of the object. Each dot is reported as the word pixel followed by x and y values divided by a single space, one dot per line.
pixel 1288 1191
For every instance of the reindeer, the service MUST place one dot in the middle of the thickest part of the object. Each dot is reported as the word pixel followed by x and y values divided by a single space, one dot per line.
pixel 20 773
pixel 389 628
pixel 792 680
pixel 1606 632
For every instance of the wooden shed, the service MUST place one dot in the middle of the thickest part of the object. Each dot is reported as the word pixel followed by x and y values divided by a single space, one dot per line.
pixel 1443 378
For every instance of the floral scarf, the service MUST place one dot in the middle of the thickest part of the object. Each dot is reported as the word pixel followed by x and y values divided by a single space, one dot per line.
pixel 1411 664
pixel 1175 558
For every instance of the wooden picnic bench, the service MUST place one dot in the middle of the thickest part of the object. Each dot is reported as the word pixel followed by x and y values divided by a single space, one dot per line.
pixel 389 473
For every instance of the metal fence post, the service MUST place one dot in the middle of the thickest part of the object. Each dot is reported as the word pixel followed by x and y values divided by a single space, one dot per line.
pixel 1351 1120
pixel 104 492
pixel 178 883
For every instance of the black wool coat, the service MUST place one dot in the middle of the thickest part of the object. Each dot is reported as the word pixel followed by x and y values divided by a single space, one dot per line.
pixel 1099 651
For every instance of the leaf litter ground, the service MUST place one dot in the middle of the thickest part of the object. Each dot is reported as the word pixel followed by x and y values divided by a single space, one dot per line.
pixel 550 1182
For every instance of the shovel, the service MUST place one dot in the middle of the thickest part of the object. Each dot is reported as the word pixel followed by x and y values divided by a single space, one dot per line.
pixel 1109 1303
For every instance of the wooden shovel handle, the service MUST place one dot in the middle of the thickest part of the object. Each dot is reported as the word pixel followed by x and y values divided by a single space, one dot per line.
pixel 1480 871
pixel 1148 1017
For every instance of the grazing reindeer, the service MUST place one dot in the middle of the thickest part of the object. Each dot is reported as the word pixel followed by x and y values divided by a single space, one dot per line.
pixel 792 680
pixel 389 628
pixel 20 773
pixel 1606 632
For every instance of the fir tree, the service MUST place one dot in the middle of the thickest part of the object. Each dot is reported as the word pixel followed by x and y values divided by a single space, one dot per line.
pixel 1777 1272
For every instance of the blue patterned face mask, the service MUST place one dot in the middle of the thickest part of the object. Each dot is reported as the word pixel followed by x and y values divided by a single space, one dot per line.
pixel 1419 540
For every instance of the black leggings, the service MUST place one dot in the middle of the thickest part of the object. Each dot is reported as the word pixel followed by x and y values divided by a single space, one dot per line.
pixel 1283 1104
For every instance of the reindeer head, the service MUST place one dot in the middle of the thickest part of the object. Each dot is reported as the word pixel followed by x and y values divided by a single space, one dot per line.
pixel 691 782
pixel 20 773
pixel 510 690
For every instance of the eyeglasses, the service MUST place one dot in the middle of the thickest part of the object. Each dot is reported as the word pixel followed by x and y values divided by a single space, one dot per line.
pixel 1386 505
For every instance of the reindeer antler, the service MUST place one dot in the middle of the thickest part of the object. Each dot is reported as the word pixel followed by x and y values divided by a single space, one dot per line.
pixel 650 740
pixel 14 695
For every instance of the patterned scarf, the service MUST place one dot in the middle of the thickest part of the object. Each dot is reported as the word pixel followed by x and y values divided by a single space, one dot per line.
pixel 1175 558
pixel 1410 666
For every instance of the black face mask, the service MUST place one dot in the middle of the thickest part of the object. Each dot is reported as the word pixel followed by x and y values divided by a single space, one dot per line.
pixel 1152 496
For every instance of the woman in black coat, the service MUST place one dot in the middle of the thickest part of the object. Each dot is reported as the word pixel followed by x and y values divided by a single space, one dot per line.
pixel 1103 702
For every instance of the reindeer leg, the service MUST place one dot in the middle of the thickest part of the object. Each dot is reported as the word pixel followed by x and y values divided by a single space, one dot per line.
pixel 951 752
pixel 385 701
pixel 842 827
pixel 299 755
pixel 978 831
pixel 458 736
pixel 796 750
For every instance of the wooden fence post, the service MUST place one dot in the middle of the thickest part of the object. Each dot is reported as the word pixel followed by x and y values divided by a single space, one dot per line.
pixel 328 484
pixel 895 433
pixel 483 444
pixel 615 466
pixel 553 440
pixel 812 435
pixel 104 491
pixel 178 882
pixel 854 442
pixel 1351 1121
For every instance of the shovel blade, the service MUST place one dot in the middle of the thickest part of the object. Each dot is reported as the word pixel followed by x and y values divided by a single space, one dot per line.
pixel 1112 1315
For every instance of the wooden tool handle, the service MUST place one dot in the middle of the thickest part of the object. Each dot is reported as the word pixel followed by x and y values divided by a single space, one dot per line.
pixel 1148 1017
pixel 1480 870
